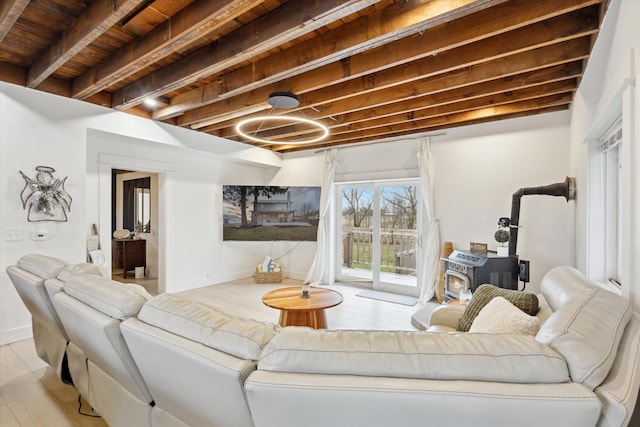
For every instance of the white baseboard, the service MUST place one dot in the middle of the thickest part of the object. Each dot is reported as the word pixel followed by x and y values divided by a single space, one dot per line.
pixel 15 335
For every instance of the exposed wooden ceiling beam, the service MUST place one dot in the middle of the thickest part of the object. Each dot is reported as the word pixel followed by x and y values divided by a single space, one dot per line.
pixel 489 113
pixel 521 85
pixel 450 106
pixel 368 69
pixel 467 91
pixel 99 17
pixel 414 134
pixel 529 37
pixel 285 23
pixel 10 11
pixel 368 31
pixel 499 19
pixel 196 20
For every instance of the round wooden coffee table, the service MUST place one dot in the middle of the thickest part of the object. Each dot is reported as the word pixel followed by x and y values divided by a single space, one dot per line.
pixel 298 311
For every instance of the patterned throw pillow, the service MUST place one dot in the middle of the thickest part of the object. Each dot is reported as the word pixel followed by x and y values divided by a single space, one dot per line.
pixel 485 293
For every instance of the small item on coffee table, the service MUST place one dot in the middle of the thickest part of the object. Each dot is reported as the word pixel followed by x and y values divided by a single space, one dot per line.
pixel 306 291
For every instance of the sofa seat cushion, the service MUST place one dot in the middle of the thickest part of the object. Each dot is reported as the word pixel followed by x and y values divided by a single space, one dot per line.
pixel 42 266
pixel 502 317
pixel 586 326
pixel 243 338
pixel 422 355
pixel 485 293
pixel 115 299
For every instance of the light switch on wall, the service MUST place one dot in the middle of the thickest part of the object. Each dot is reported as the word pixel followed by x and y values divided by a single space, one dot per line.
pixel 14 234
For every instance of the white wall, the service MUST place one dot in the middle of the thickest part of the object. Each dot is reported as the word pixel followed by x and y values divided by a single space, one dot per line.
pixel 72 136
pixel 610 85
pixel 478 168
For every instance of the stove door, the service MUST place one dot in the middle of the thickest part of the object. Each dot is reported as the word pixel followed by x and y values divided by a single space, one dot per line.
pixel 454 282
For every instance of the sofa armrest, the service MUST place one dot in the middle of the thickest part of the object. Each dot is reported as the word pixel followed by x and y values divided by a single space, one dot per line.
pixel 619 391
pixel 447 315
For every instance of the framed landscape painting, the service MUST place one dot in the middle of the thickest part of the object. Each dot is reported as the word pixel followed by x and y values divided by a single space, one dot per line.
pixel 257 213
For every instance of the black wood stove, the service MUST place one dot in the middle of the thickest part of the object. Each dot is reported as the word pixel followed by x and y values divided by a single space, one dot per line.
pixel 468 270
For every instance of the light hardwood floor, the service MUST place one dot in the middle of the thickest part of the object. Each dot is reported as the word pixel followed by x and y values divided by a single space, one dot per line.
pixel 31 395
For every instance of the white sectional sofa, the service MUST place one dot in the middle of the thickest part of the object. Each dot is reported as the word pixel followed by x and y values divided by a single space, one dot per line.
pixel 581 369
pixel 203 367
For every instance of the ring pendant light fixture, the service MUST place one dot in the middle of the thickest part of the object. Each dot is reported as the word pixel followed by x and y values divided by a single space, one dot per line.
pixel 285 100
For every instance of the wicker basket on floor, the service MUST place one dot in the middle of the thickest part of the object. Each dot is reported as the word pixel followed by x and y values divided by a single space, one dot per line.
pixel 270 277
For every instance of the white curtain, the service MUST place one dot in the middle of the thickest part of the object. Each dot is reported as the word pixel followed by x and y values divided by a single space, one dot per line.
pixel 431 251
pixel 314 276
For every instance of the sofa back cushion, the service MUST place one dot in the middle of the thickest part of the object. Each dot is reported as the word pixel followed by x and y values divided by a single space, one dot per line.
pixel 80 269
pixel 239 337
pixel 115 299
pixel 422 355
pixel 42 266
pixel 586 325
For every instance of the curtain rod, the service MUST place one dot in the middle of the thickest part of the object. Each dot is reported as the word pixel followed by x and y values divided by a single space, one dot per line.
pixel 364 144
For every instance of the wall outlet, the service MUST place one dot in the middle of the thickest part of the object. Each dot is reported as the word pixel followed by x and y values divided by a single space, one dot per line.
pixel 13 234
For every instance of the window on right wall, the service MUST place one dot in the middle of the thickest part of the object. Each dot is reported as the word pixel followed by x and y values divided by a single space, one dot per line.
pixel 610 144
pixel 606 203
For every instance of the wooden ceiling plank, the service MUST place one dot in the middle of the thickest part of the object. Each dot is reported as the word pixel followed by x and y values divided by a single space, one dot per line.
pixel 361 101
pixel 461 104
pixel 553 75
pixel 484 50
pixel 561 30
pixel 10 11
pixel 486 111
pixel 526 79
pixel 11 73
pixel 533 66
pixel 416 132
pixel 285 23
pixel 374 29
pixel 454 119
pixel 196 20
pixel 481 101
pixel 98 18
pixel 465 30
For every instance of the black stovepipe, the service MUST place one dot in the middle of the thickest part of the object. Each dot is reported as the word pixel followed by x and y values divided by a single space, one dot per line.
pixel 567 189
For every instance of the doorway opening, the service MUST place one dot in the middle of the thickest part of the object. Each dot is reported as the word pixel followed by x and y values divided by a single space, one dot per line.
pixel 134 220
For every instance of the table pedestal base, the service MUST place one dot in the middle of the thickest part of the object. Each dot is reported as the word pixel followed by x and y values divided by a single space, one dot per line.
pixel 313 318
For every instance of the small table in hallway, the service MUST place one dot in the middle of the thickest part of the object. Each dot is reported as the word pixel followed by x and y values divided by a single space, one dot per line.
pixel 298 311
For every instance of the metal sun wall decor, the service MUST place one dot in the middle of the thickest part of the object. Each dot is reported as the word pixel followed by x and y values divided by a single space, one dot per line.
pixel 44 197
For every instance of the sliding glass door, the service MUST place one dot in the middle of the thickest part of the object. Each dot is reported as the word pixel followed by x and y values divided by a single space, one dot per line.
pixel 379 229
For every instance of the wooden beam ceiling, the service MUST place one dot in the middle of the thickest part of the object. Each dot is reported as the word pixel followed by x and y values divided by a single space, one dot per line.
pixel 367 69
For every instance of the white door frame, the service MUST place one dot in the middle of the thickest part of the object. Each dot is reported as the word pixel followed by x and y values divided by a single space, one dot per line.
pixel 166 204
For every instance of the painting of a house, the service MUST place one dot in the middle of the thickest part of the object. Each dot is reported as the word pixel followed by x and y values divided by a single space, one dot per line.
pixel 270 213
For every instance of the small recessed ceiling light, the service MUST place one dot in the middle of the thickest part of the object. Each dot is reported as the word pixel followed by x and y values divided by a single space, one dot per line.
pixel 150 102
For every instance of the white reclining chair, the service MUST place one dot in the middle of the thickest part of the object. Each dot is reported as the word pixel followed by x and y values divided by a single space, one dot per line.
pixel 50 338
pixel 91 309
